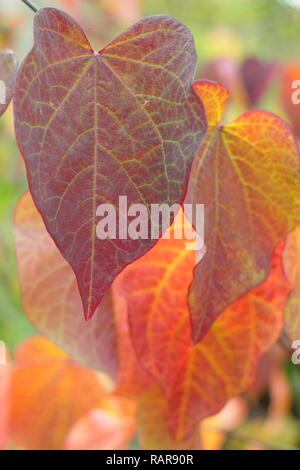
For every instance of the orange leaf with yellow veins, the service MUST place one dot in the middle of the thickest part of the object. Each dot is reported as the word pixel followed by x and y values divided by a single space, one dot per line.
pixel 291 262
pixel 8 73
pixel 247 175
pixel 49 392
pixel 51 302
pixel 198 379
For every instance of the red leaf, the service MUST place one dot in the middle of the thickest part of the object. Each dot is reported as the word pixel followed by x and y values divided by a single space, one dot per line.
pixel 93 126
pixel 247 175
pixel 8 72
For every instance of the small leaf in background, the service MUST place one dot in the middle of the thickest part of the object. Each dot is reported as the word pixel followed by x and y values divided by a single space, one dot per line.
pixel 51 302
pixel 196 380
pixel 247 175
pixel 49 392
pixel 291 262
pixel 121 135
pixel 290 95
pixel 256 75
pixel 8 73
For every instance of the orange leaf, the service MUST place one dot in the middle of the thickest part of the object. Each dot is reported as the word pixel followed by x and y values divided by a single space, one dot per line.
pixel 247 176
pixel 5 375
pixel 51 299
pixel 197 380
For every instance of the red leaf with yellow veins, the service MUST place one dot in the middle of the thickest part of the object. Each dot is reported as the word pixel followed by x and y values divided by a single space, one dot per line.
pixel 247 176
pixel 291 262
pixel 93 126
pixel 198 379
pixel 51 301
pixel 8 73
pixel 48 394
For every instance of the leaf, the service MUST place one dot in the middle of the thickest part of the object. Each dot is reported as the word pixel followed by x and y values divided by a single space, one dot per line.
pixel 256 76
pixel 247 176
pixel 197 380
pixel 49 392
pixel 291 264
pixel 93 126
pixel 8 73
pixel 290 74
pixel 51 299
pixel 51 302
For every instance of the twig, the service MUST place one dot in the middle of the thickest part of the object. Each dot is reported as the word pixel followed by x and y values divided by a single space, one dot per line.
pixel 31 5
pixel 241 437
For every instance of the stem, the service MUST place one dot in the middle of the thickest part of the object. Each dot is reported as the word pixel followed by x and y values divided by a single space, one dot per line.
pixel 30 5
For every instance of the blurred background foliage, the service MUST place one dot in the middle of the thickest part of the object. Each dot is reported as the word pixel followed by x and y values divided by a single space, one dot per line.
pixel 226 30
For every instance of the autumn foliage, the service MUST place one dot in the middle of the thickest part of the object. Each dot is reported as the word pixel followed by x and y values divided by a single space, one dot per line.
pixel 139 336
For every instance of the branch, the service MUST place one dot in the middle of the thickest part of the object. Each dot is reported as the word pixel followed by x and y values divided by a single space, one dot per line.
pixel 31 5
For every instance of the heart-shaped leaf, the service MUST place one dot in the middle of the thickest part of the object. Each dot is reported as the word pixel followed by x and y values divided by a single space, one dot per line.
pixel 93 126
pixel 247 176
pixel 8 73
